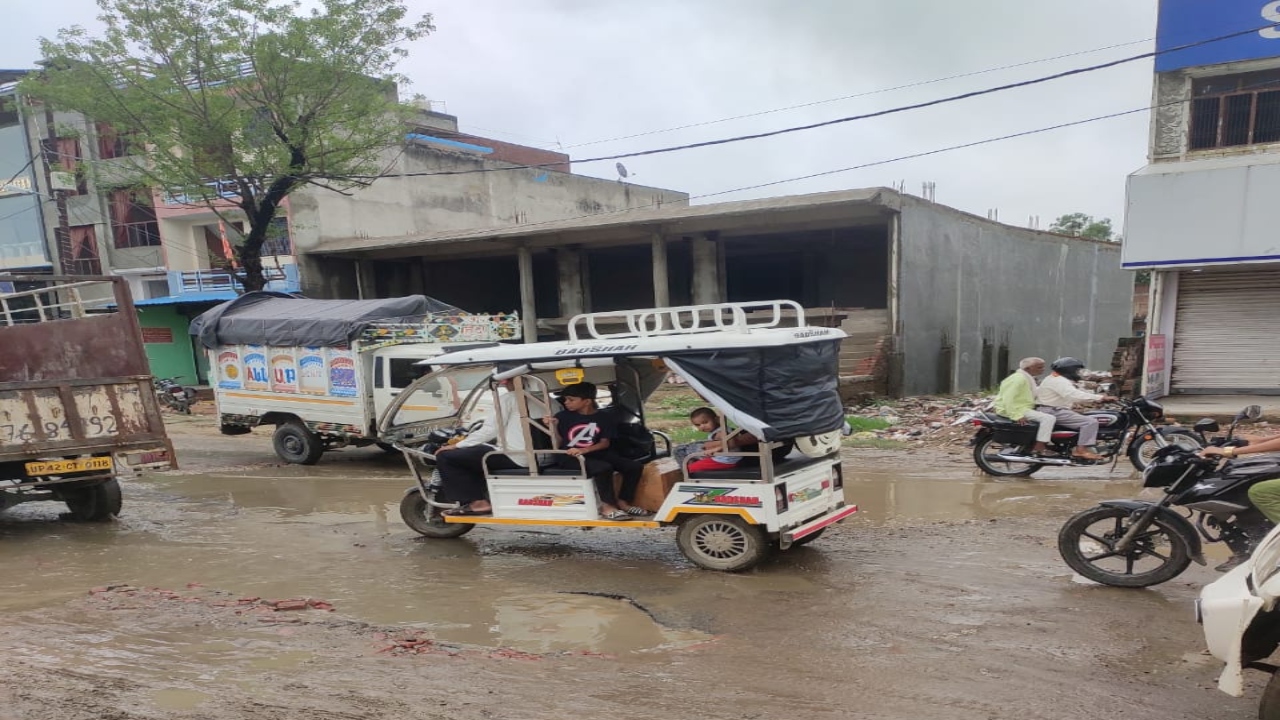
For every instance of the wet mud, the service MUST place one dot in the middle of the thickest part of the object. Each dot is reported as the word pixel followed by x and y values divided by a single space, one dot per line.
pixel 943 597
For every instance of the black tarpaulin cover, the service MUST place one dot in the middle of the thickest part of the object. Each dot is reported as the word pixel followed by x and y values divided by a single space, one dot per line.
pixel 774 393
pixel 269 318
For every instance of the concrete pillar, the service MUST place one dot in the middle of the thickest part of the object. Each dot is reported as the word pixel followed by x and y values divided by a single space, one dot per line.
pixel 661 286
pixel 528 311
pixel 706 281
pixel 366 288
pixel 571 286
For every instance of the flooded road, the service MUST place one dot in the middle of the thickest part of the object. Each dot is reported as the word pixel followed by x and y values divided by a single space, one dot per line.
pixel 943 598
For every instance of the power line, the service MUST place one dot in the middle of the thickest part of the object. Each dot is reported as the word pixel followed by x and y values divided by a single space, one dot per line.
pixel 927 153
pixel 874 163
pixel 867 93
pixel 841 120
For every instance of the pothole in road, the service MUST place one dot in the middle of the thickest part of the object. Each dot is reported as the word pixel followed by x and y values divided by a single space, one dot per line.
pixel 569 622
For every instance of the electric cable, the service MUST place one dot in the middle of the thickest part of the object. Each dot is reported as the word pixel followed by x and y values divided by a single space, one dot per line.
pixel 841 120
pixel 900 158
pixel 867 93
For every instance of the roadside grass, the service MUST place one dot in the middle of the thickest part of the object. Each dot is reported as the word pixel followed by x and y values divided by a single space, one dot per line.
pixel 866 424
pixel 876 443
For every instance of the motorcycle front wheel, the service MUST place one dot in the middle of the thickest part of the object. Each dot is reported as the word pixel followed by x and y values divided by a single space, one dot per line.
pixel 1142 452
pixel 1087 543
pixel 986 455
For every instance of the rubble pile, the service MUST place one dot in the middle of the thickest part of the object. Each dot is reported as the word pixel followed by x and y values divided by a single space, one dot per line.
pixel 941 420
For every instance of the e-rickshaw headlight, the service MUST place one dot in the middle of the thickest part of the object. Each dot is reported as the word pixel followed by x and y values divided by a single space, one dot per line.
pixel 780 496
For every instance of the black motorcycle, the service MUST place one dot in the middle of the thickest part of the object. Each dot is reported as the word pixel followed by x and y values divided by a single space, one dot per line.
pixel 1137 543
pixel 1002 447
pixel 173 394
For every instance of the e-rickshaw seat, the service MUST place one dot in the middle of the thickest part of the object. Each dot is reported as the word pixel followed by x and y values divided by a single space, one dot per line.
pixel 753 471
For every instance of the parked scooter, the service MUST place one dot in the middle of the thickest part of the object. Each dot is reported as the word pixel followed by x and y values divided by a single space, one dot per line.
pixel 1002 447
pixel 174 395
pixel 1138 543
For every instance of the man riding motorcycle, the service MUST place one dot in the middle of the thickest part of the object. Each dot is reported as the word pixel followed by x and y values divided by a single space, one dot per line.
pixel 1057 395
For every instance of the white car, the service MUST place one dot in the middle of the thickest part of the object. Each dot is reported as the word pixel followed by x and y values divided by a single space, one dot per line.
pixel 1242 622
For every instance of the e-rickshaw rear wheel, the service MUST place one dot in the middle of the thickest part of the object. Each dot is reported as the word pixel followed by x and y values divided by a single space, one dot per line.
pixel 722 542
pixel 426 520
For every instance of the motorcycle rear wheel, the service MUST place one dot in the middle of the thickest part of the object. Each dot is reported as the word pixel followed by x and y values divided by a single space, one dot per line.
pixel 1088 539
pixel 985 456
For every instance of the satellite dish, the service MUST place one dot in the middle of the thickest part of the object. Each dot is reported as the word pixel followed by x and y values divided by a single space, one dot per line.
pixel 622 170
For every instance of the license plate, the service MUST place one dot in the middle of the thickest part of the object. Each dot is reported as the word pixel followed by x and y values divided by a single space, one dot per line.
pixel 60 467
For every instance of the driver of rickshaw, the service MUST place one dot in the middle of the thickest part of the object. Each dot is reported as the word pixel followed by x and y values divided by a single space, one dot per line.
pixel 462 465
pixel 586 432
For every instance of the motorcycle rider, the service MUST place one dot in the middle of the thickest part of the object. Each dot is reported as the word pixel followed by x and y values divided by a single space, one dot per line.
pixel 1057 395
pixel 1265 495
pixel 1017 401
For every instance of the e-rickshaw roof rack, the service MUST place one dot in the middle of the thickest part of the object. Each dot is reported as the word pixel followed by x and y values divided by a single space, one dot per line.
pixel 714 317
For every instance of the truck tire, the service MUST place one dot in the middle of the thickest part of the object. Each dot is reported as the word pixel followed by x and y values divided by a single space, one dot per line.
pixel 96 503
pixel 294 443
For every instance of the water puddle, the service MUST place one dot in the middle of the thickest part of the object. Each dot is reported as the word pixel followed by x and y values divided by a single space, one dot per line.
pixel 179 699
pixel 883 500
pixel 546 622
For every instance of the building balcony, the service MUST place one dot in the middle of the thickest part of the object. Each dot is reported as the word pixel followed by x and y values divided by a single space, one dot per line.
pixel 223 284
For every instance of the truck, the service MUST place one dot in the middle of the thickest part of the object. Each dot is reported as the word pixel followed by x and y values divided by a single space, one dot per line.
pixel 323 371
pixel 78 409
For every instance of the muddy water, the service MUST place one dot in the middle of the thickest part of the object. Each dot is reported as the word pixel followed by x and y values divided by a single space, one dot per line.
pixel 919 607
pixel 288 531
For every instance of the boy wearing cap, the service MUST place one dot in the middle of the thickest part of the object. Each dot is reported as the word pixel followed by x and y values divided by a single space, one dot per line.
pixel 585 431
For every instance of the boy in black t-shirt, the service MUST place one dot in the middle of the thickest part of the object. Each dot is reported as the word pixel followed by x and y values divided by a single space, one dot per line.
pixel 587 432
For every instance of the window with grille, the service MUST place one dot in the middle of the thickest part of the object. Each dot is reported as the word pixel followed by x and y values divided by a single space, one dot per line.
pixel 1234 110
pixel 277 242
pixel 133 219
pixel 67 153
pixel 83 258
pixel 113 143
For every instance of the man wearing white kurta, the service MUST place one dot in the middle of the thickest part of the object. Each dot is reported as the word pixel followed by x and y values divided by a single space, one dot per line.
pixel 1057 394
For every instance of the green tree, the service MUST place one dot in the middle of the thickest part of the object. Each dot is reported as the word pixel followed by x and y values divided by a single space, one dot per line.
pixel 1082 225
pixel 238 103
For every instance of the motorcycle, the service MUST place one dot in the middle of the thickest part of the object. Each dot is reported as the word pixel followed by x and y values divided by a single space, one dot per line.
pixel 1138 543
pixel 174 395
pixel 1002 447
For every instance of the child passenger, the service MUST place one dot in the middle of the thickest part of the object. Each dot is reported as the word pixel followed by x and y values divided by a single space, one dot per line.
pixel 585 431
pixel 706 420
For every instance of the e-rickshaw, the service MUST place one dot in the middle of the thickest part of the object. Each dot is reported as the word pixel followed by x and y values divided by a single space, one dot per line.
pixel 759 365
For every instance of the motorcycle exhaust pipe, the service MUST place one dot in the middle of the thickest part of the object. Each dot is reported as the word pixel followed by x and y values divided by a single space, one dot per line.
pixel 1034 460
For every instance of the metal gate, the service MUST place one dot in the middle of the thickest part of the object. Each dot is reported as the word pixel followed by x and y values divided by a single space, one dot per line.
pixel 1227 333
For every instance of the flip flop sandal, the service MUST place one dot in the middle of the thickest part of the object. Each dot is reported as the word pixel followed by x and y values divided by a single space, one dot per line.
pixel 634 510
pixel 466 510
pixel 616 515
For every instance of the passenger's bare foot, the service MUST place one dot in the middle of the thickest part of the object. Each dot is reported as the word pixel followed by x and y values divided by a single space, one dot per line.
pixel 481 506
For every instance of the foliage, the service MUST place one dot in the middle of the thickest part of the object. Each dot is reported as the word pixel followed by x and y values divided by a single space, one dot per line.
pixel 1082 225
pixel 238 103
pixel 861 424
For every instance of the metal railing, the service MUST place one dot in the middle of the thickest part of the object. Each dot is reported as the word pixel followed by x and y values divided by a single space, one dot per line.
pixel 717 317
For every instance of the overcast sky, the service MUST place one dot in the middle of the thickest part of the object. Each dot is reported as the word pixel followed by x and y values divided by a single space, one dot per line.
pixel 564 73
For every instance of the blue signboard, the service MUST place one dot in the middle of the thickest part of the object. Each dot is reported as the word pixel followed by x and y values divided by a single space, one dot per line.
pixel 1183 22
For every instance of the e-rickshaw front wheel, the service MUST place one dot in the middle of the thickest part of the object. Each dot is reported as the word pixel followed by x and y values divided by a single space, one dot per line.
pixel 424 519
pixel 722 542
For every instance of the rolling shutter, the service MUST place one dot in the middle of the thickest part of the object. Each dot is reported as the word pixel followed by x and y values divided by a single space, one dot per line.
pixel 1227 333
